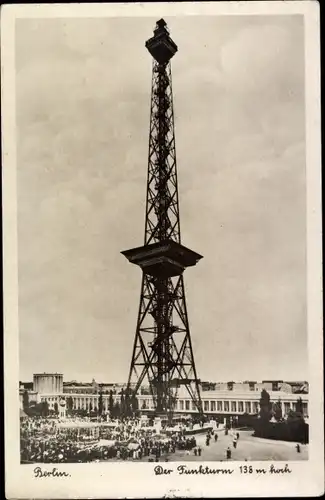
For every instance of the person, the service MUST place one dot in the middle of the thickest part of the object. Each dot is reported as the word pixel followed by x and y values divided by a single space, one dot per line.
pixel 237 435
pixel 195 451
pixel 216 437
pixel 234 442
pixel 199 450
pixel 228 453
pixel 226 431
pixel 298 448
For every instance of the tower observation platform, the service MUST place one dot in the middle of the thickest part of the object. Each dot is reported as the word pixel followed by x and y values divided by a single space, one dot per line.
pixel 164 259
pixel 161 46
pixel 162 352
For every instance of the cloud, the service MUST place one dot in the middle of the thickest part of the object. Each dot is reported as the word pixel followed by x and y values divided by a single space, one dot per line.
pixel 83 95
pixel 261 59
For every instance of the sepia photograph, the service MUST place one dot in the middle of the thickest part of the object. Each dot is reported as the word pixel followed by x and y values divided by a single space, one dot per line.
pixel 161 215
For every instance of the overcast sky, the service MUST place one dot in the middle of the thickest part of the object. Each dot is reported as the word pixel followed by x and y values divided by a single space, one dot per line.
pixel 83 100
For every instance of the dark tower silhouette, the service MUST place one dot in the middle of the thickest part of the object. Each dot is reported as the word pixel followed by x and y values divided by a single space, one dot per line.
pixel 162 352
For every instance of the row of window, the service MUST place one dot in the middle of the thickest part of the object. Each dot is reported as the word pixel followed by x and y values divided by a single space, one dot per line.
pixel 221 406
pixel 227 406
pixel 187 405
pixel 79 391
pixel 84 403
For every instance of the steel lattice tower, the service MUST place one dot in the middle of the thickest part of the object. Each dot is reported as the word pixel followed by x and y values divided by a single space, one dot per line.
pixel 162 352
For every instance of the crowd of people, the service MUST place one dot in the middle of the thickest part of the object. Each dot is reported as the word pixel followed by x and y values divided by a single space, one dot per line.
pixel 47 440
pixel 37 426
pixel 78 439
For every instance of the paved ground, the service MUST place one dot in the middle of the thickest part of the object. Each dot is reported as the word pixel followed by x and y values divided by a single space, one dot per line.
pixel 248 447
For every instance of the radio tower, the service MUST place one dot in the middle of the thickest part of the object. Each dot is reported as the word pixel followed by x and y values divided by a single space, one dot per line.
pixel 162 351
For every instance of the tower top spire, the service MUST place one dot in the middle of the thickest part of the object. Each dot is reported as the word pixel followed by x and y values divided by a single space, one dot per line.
pixel 161 24
pixel 161 46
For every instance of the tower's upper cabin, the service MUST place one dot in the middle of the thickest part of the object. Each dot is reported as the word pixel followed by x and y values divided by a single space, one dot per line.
pixel 161 46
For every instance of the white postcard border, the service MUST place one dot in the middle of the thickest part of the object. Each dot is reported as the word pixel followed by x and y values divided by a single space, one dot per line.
pixel 138 479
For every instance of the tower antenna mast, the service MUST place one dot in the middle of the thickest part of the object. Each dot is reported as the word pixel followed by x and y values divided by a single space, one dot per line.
pixel 162 352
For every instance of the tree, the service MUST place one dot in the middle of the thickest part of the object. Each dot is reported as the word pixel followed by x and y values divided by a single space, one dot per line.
pixel 296 415
pixel 44 408
pixel 111 403
pixel 296 424
pixel 100 404
pixel 117 410
pixel 299 408
pixel 265 406
pixel 35 410
pixel 123 412
pixel 245 419
pixel 128 403
pixel 56 408
pixel 25 401
pixel 69 404
pixel 277 411
pixel 134 403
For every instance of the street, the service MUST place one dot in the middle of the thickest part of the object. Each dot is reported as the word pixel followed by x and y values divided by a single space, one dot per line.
pixel 248 448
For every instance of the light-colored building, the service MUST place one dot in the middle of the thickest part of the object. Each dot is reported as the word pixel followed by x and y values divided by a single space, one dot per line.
pixel 239 402
pixel 229 398
pixel 214 402
pixel 48 383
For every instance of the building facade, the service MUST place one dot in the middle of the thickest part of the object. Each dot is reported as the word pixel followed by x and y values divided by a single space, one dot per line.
pixel 232 403
pixel 228 399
